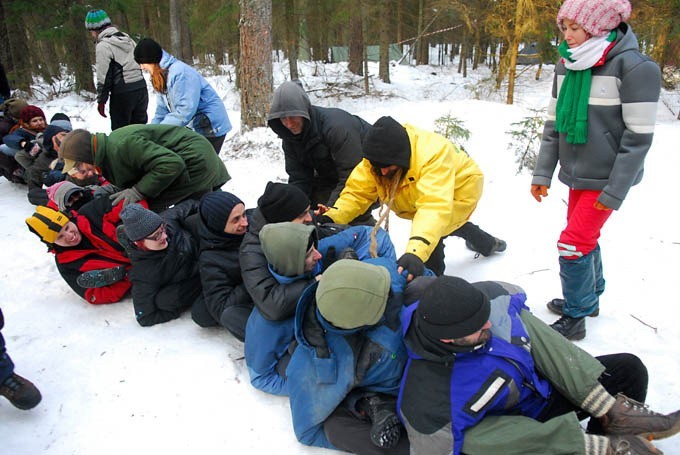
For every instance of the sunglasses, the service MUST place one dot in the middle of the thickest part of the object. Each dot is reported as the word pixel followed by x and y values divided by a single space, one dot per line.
pixel 157 235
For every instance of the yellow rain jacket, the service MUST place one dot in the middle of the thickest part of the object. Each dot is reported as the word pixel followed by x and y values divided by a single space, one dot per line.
pixel 439 192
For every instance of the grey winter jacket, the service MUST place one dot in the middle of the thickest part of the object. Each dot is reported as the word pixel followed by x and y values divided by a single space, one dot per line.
pixel 621 117
pixel 117 71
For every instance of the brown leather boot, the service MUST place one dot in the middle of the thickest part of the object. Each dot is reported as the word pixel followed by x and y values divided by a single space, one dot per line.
pixel 628 416
pixel 631 445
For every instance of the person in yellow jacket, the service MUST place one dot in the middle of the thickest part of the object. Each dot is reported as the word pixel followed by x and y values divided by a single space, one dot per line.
pixel 423 177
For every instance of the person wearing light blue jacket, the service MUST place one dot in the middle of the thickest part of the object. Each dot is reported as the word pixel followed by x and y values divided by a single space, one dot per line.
pixel 184 97
pixel 293 252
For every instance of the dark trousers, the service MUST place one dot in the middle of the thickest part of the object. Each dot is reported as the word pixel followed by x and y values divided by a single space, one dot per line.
pixel 480 241
pixel 6 365
pixel 128 108
pixel 216 142
pixel 624 373
pixel 351 433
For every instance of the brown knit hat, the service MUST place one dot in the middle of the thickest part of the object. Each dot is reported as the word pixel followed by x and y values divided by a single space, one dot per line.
pixel 76 148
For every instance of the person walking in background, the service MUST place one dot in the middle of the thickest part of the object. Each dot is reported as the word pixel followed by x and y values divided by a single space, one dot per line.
pixel 183 96
pixel 163 164
pixel 119 77
pixel 21 392
pixel 423 177
pixel 321 145
pixel 600 126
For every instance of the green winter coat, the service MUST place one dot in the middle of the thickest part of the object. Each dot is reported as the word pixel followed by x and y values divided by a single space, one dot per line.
pixel 165 163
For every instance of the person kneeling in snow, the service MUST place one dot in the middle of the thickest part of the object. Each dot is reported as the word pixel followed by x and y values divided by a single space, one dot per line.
pixel 87 255
pixel 346 369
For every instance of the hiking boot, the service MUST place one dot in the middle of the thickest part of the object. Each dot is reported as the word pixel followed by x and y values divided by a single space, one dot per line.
pixel 628 416
pixel 101 278
pixel 557 305
pixel 570 328
pixel 631 445
pixel 21 392
pixel 498 246
pixel 385 428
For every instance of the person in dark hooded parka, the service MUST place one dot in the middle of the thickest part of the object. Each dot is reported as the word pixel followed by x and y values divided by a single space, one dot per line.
pixel 321 145
pixel 223 224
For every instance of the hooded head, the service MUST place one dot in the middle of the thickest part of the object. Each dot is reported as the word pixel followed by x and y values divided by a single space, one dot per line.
pixel 76 148
pixel 451 308
pixel 595 17
pixel 97 19
pixel 289 100
pixel 282 202
pixel 46 223
pixel 387 144
pixel 65 193
pixel 353 294
pixel 148 51
pixel 285 245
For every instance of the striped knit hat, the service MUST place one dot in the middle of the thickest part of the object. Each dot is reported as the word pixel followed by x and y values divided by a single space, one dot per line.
pixel 96 19
pixel 46 223
pixel 595 17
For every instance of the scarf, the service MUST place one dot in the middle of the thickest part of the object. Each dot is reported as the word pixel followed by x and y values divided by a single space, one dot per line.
pixel 572 101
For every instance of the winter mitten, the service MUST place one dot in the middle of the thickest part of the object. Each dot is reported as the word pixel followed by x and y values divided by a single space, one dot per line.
pixel 128 196
pixel 412 264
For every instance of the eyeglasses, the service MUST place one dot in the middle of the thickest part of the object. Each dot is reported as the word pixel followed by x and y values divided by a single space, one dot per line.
pixel 78 169
pixel 157 235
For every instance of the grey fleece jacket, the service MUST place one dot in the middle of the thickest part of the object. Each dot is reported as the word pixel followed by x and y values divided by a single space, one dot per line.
pixel 621 117
pixel 117 71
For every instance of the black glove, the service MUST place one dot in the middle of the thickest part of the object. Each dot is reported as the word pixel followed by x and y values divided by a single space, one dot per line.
pixel 323 219
pixel 411 263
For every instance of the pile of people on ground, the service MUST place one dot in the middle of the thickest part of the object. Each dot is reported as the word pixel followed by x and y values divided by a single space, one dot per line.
pixel 378 352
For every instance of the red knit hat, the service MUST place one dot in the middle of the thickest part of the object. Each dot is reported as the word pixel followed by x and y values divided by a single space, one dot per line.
pixel 595 17
pixel 30 112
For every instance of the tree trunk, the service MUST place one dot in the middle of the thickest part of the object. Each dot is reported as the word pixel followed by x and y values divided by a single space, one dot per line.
pixel 18 68
pixel 356 40
pixel 292 28
pixel 419 48
pixel 176 28
pixel 255 62
pixel 79 54
pixel 384 65
pixel 185 38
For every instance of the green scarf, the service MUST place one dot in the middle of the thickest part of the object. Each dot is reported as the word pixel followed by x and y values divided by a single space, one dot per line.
pixel 572 102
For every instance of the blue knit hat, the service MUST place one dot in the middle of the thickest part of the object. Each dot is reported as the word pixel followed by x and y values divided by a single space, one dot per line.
pixel 96 19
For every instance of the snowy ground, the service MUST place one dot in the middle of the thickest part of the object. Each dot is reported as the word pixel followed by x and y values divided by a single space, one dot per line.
pixel 110 386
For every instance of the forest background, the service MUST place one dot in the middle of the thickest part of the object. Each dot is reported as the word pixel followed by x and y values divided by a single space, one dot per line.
pixel 241 38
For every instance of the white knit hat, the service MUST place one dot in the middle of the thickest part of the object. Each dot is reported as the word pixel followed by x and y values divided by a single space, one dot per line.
pixel 597 17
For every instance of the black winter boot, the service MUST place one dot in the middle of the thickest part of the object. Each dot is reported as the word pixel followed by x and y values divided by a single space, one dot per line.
pixel 101 278
pixel 557 306
pixel 381 410
pixel 478 240
pixel 570 328
pixel 21 392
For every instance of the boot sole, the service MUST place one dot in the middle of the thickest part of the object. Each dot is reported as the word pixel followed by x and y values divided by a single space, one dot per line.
pixel 390 433
pixel 655 435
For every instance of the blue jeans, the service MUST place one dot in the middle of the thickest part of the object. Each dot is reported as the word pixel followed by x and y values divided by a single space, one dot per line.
pixel 582 283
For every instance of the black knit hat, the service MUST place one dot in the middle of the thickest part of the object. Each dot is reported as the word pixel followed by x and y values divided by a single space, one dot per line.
pixel 139 222
pixel 148 51
pixel 215 209
pixel 282 202
pixel 387 143
pixel 451 308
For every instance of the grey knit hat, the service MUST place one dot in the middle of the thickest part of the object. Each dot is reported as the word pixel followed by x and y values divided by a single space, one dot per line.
pixel 353 294
pixel 285 246
pixel 64 192
pixel 139 222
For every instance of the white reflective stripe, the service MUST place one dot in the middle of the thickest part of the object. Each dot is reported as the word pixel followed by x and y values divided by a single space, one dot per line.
pixel 488 395
pixel 566 246
pixel 639 117
pixel 570 253
pixel 604 101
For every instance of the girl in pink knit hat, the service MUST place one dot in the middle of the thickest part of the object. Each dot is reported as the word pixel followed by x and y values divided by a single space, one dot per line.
pixel 599 127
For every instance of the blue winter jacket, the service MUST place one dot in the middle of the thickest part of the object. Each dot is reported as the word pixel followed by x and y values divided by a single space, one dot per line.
pixel 442 395
pixel 368 358
pixel 191 101
pixel 267 341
